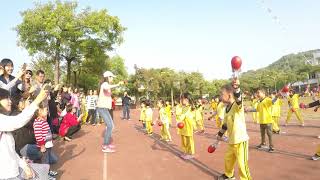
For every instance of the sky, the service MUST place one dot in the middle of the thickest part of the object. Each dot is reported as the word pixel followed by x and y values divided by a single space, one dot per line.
pixel 190 35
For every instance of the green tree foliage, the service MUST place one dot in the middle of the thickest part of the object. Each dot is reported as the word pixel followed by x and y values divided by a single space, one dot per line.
pixel 59 31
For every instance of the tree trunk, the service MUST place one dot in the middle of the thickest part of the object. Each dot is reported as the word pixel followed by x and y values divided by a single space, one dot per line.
pixel 57 63
pixel 75 78
pixel 69 71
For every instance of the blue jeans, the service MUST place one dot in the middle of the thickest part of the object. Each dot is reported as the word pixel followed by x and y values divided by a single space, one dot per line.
pixel 126 112
pixel 49 157
pixel 31 151
pixel 104 113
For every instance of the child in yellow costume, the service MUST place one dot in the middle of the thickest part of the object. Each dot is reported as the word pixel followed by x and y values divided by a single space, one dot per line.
pixel 220 114
pixel 178 111
pixel 188 119
pixel 164 119
pixel 149 115
pixel 214 106
pixel 83 108
pixel 276 113
pixel 316 104
pixel 254 104
pixel 235 125
pixel 293 102
pixel 143 114
pixel 168 109
pixel 199 116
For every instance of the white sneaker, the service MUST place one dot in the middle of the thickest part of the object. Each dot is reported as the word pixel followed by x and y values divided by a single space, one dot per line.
pixel 108 150
pixel 315 157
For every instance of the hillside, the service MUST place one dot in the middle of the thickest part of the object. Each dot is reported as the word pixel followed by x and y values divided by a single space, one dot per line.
pixel 287 69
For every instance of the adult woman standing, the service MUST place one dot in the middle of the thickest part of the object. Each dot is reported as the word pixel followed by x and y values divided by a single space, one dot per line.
pixel 10 161
pixel 103 106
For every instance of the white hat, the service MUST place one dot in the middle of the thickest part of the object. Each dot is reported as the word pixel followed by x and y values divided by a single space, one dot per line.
pixel 108 74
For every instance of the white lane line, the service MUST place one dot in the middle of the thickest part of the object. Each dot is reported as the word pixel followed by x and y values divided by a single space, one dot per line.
pixel 105 166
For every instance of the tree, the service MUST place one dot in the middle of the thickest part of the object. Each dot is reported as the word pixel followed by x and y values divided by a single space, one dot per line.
pixel 59 31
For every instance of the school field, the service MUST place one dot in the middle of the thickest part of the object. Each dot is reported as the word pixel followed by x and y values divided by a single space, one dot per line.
pixel 141 157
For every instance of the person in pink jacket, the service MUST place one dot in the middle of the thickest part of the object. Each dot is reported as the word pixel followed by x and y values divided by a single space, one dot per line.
pixel 70 123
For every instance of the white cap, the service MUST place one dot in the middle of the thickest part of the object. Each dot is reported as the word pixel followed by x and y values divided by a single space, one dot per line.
pixel 108 74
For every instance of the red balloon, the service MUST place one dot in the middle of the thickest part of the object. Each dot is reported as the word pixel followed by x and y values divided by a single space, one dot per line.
pixel 180 125
pixel 285 89
pixel 236 63
pixel 211 149
pixel 302 105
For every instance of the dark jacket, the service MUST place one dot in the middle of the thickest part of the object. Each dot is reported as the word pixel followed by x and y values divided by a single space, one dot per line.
pixel 15 93
pixel 126 101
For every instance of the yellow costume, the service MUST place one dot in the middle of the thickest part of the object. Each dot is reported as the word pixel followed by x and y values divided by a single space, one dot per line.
pixel 200 118
pixel 148 116
pixel 276 114
pixel 237 149
pixel 178 112
pixel 255 115
pixel 294 108
pixel 220 115
pixel 168 110
pixel 188 118
pixel 83 109
pixel 165 133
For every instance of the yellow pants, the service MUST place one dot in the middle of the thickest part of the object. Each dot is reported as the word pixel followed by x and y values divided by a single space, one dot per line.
pixel 275 124
pixel 255 117
pixel 297 113
pixel 187 144
pixel 219 122
pixel 165 133
pixel 84 118
pixel 200 124
pixel 149 127
pixel 237 152
pixel 318 150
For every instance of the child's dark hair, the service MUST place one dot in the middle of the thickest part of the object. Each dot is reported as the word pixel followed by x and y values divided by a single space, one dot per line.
pixel 148 103
pixel 69 108
pixel 6 62
pixel 274 93
pixel 161 101
pixel 261 90
pixel 228 88
pixel 188 96
pixel 36 113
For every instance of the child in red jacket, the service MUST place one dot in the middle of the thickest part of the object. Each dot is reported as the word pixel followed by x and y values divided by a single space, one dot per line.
pixel 70 123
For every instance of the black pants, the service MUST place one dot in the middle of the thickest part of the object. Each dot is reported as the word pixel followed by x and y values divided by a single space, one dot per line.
pixel 92 115
pixel 72 130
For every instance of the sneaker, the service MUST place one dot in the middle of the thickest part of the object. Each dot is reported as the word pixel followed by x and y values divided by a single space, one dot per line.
pixel 51 178
pixel 52 173
pixel 271 150
pixel 67 139
pixel 112 146
pixel 129 119
pixel 108 150
pixel 224 177
pixel 302 125
pixel 260 146
pixel 315 157
pixel 187 157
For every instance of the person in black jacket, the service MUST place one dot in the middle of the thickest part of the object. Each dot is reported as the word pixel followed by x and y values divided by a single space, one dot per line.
pixel 14 93
pixel 126 100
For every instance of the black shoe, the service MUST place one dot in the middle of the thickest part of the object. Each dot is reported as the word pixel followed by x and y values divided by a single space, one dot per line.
pixel 260 146
pixel 271 150
pixel 224 177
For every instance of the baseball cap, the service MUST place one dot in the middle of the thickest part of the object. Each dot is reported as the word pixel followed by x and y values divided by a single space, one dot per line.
pixel 108 74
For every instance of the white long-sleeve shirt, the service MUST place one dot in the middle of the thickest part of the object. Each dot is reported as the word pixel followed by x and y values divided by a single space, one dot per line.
pixel 9 159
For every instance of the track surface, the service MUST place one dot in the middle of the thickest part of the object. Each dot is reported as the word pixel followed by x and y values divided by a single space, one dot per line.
pixel 141 157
